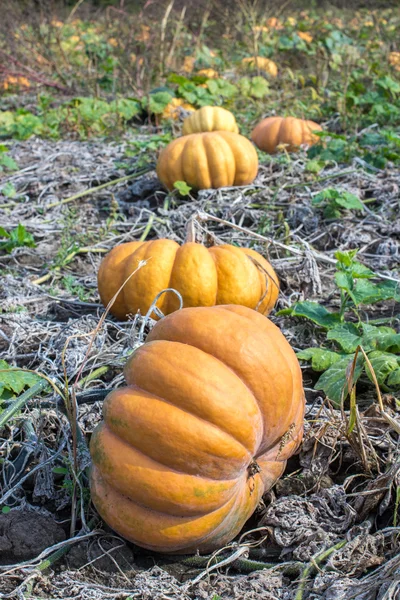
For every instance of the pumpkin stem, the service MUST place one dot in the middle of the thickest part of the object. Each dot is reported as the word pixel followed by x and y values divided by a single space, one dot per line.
pixel 253 468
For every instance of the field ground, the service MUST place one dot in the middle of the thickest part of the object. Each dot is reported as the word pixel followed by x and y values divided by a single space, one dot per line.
pixel 77 176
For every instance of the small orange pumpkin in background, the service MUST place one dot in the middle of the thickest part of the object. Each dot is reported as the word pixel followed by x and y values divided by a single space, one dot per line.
pixel 209 73
pixel 264 64
pixel 203 276
pixel 210 118
pixel 213 409
pixel 274 131
pixel 172 110
pixel 212 159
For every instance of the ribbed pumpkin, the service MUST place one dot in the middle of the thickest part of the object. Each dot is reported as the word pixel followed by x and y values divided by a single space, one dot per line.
pixel 273 131
pixel 264 64
pixel 212 159
pixel 210 118
pixel 203 276
pixel 213 408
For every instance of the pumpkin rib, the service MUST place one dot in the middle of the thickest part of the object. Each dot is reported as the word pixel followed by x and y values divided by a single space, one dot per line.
pixel 299 408
pixel 238 253
pixel 241 500
pixel 153 485
pixel 268 279
pixel 277 386
pixel 196 289
pixel 217 152
pixel 213 427
pixel 157 524
pixel 143 287
pixel 169 358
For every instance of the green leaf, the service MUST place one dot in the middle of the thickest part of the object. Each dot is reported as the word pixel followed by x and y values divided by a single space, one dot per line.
pixel 221 87
pixel 345 258
pixel 314 312
pixel 349 201
pixel 380 338
pixel 346 335
pixel 334 381
pixel 15 380
pixel 8 190
pixel 367 292
pixel 156 103
pixel 321 359
pixel 325 195
pixel 5 509
pixel 315 166
pixel 254 87
pixel 8 163
pixel 360 271
pixel 183 188
pixel 393 380
pixel 344 280
pixel 177 79
pixel 60 470
pixel 383 364
pixel 126 108
pixel 16 238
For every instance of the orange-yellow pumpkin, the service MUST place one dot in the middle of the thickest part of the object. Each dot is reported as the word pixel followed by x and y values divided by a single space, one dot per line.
pixel 210 118
pixel 208 160
pixel 213 408
pixel 209 73
pixel 261 62
pixel 274 131
pixel 203 276
pixel 173 109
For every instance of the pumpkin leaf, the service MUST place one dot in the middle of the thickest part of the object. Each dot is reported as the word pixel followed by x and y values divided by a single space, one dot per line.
pixel 157 102
pixel 183 188
pixel 313 311
pixel 321 359
pixel 254 87
pixel 14 381
pixel 367 292
pixel 334 381
pixel 393 380
pixel 349 201
pixel 346 335
pixel 383 363
pixel 221 87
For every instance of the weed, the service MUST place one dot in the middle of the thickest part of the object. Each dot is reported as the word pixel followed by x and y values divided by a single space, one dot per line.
pixel 18 237
pixel 345 330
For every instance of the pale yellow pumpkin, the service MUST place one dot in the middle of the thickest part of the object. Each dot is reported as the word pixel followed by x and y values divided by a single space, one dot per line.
pixel 210 118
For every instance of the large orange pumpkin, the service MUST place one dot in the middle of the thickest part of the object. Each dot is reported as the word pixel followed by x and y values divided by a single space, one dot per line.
pixel 203 276
pixel 213 408
pixel 210 118
pixel 274 131
pixel 208 160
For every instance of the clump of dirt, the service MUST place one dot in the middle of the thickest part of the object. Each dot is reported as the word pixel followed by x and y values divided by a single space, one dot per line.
pixel 25 533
